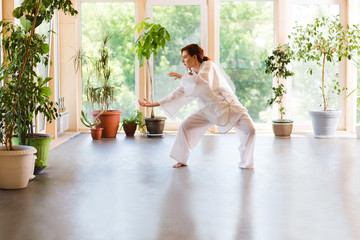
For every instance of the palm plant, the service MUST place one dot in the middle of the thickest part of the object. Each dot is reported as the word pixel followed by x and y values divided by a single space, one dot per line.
pixel 99 89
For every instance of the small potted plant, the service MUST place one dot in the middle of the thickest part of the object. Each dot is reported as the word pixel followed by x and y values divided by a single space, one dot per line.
pixel 100 88
pixel 323 41
pixel 131 123
pixel 96 132
pixel 276 65
pixel 152 38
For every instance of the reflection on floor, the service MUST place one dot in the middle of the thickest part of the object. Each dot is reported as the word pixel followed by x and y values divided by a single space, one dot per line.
pixel 125 189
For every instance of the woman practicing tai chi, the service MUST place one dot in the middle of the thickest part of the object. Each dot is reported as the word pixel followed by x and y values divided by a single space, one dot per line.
pixel 218 105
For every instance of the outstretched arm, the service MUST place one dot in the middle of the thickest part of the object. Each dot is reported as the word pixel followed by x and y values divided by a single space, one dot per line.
pixel 146 103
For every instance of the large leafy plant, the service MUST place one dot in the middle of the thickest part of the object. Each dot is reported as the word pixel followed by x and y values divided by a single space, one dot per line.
pixel 323 41
pixel 277 65
pixel 152 37
pixel 25 94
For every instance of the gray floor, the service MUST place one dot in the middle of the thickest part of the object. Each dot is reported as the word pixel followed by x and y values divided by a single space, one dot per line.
pixel 125 189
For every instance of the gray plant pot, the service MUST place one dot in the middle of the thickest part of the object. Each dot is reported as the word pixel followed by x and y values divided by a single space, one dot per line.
pixel 324 122
pixel 155 125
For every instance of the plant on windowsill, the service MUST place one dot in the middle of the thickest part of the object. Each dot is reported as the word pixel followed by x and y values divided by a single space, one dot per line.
pixel 100 88
pixel 152 38
pixel 131 123
pixel 323 41
pixel 24 94
pixel 96 132
pixel 276 64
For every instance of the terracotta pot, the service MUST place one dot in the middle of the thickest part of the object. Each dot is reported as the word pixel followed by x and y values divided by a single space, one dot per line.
pixel 282 129
pixel 109 122
pixel 96 133
pixel 130 129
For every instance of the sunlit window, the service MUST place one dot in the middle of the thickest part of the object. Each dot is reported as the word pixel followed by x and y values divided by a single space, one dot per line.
pixel 246 38
pixel 118 19
pixel 305 87
pixel 184 29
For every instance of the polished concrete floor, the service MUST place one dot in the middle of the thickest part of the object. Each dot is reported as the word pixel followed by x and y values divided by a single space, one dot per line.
pixel 125 189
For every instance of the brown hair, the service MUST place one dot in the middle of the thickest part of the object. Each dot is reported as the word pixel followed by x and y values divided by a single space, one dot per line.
pixel 194 49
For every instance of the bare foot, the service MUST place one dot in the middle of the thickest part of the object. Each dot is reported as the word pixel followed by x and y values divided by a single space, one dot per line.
pixel 179 165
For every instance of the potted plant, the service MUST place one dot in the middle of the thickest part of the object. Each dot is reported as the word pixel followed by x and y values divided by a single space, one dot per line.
pixel 276 64
pixel 323 41
pixel 152 38
pixel 100 89
pixel 96 132
pixel 24 94
pixel 131 123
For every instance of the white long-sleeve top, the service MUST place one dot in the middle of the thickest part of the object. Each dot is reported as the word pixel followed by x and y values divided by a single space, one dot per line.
pixel 217 101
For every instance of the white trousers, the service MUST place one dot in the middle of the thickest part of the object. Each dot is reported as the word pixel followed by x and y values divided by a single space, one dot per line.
pixel 195 126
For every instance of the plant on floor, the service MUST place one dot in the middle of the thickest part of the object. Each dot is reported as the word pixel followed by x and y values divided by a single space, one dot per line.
pixel 100 88
pixel 135 119
pixel 152 37
pixel 90 122
pixel 277 65
pixel 323 41
pixel 25 94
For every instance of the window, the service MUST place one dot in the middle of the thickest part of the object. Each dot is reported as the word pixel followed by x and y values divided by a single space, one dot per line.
pixel 185 27
pixel 43 71
pixel 246 38
pixel 117 18
pixel 305 87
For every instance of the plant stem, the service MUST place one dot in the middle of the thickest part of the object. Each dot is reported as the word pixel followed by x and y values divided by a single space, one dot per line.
pixel 29 42
pixel 151 87
pixel 323 82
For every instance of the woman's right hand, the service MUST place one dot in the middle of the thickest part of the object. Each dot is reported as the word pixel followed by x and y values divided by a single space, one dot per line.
pixel 146 103
pixel 174 74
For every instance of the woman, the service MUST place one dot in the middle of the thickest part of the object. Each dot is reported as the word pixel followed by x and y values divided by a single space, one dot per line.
pixel 217 105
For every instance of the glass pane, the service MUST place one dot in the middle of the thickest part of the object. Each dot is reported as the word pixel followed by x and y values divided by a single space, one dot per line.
pixel 43 71
pixel 117 18
pixel 184 29
pixel 358 66
pixel 246 38
pixel 306 94
pixel 43 29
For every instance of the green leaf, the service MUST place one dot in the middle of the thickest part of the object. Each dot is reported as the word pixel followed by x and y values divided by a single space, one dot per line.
pixel 46 91
pixel 27 25
pixel 45 48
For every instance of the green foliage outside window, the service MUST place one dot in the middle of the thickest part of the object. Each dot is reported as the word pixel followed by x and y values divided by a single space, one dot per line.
pixel 246 39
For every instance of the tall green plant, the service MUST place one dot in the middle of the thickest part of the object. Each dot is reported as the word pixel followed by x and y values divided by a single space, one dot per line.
pixel 25 94
pixel 99 89
pixel 323 41
pixel 152 38
pixel 277 65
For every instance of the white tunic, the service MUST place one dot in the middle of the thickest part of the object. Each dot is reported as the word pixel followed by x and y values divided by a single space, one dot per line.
pixel 217 102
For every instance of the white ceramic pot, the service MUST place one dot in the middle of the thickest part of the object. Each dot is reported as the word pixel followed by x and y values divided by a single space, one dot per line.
pixel 324 122
pixel 16 167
